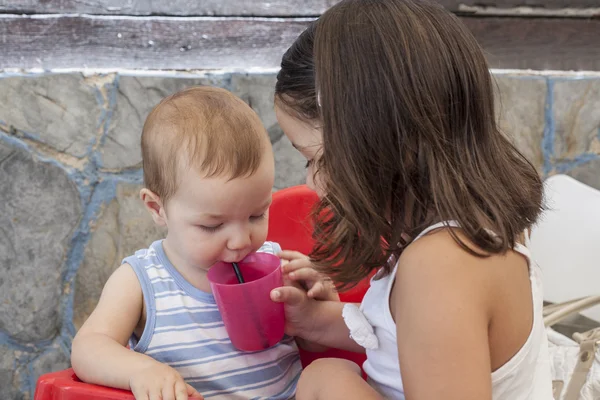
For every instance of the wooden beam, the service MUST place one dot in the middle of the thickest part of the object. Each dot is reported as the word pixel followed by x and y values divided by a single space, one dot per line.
pixel 171 7
pixel 51 42
pixel 457 5
pixel 539 43
pixel 144 42
pixel 240 7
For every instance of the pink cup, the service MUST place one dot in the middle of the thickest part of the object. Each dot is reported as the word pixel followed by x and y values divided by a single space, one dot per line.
pixel 253 321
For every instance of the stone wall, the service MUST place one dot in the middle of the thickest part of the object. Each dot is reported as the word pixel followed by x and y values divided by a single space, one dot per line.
pixel 70 176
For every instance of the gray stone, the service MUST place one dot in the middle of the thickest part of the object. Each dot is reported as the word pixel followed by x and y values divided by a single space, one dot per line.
pixel 57 110
pixel 39 211
pixel 12 375
pixel 53 359
pixel 136 96
pixel 289 165
pixel 577 117
pixel 258 90
pixel 123 227
pixel 520 102
pixel 588 173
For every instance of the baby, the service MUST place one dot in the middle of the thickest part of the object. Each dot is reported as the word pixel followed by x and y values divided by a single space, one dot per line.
pixel 208 172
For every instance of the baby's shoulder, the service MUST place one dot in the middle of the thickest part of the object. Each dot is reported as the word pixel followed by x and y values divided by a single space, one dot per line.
pixel 144 256
pixel 270 247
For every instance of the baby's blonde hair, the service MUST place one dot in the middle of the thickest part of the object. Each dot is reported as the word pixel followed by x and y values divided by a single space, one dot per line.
pixel 204 128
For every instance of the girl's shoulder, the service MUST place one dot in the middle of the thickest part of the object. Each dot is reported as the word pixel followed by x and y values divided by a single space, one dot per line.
pixel 437 263
pixel 437 258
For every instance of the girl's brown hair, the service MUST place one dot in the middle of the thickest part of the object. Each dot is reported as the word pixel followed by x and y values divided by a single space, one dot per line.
pixel 409 135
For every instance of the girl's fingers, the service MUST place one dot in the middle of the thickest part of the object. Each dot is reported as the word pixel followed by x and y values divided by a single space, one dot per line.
pixel 287 281
pixel 323 290
pixel 317 286
pixel 289 295
pixel 317 291
pixel 295 265
pixel 305 274
pixel 291 255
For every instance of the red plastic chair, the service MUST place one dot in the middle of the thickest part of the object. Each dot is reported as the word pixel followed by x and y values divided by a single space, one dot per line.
pixel 289 225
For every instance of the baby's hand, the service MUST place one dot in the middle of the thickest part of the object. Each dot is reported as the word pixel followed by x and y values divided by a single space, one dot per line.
pixel 161 382
pixel 298 268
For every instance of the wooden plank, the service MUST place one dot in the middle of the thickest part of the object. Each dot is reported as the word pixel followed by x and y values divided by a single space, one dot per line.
pixel 144 42
pixel 171 7
pixel 241 7
pixel 457 5
pixel 51 42
pixel 539 43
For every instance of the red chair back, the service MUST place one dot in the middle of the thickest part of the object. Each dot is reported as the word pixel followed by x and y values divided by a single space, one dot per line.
pixel 290 226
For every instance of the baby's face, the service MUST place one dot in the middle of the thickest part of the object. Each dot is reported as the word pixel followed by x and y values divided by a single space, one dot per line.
pixel 217 219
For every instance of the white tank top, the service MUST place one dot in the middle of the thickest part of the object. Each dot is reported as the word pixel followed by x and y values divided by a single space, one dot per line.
pixel 526 376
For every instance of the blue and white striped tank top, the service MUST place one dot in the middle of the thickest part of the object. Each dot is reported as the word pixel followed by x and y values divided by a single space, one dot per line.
pixel 184 330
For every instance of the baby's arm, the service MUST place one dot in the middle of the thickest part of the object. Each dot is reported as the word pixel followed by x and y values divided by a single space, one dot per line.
pixel 100 355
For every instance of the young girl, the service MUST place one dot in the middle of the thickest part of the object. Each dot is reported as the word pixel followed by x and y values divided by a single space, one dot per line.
pixel 391 103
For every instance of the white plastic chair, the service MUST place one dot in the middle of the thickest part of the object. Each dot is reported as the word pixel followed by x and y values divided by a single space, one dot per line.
pixel 566 241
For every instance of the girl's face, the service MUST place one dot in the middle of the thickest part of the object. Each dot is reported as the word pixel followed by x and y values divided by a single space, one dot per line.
pixel 307 138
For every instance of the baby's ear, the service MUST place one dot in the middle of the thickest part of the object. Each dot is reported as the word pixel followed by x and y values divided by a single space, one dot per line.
pixel 155 206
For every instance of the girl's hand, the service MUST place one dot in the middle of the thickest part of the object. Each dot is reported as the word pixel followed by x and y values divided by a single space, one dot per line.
pixel 298 269
pixel 160 381
pixel 313 311
pixel 300 310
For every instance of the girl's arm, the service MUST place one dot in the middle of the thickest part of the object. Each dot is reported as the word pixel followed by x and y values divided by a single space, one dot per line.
pixel 312 305
pixel 442 306
pixel 316 321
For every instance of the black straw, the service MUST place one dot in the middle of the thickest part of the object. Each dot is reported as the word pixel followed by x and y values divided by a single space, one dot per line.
pixel 263 336
pixel 238 273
